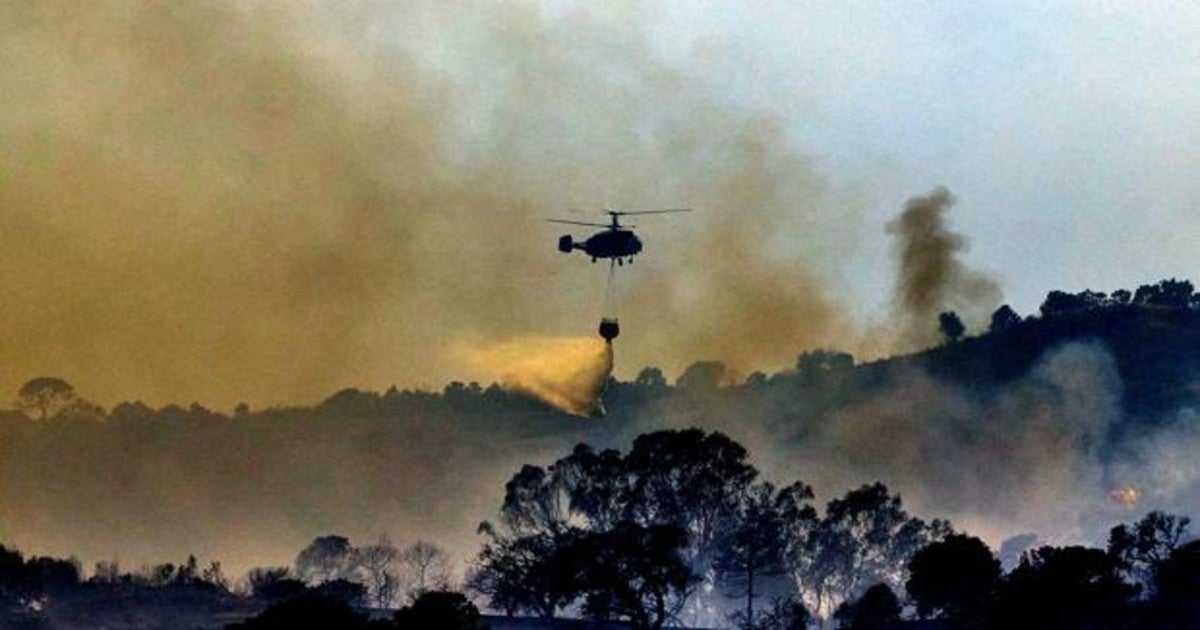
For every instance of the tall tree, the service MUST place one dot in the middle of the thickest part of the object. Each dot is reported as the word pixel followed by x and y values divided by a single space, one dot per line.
pixel 689 478
pixel 753 547
pixel 378 564
pixel 427 567
pixel 1138 548
pixel 864 538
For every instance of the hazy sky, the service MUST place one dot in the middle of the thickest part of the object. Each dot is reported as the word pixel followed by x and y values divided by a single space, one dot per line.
pixel 1068 130
pixel 267 202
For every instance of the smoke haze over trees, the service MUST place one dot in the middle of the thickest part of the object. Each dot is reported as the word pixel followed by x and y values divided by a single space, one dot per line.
pixel 1057 425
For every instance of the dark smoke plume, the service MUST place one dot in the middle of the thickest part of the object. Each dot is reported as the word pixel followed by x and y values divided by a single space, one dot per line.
pixel 931 276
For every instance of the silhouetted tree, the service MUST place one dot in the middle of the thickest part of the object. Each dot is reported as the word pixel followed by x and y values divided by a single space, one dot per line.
pixel 534 501
pixel 1121 297
pixel 161 574
pixel 877 609
pixel 1138 548
pixel 426 566
pixel 951 326
pixel 215 575
pixel 379 564
pixel 1169 293
pixel 52 575
pixel 752 547
pixel 1064 587
pixel 954 578
pixel 1176 601
pixel 46 395
pixel 522 573
pixel 439 610
pixel 597 485
pixel 631 572
pixel 689 478
pixel 14 582
pixel 1004 318
pixel 1060 302
pixel 864 538
pixel 325 558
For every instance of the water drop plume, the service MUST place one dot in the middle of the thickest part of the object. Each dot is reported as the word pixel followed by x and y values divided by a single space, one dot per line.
pixel 568 373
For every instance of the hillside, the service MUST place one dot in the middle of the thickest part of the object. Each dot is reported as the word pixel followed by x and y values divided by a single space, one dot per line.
pixel 1156 350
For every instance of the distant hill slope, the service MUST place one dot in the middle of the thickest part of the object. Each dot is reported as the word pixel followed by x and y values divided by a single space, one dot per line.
pixel 1156 349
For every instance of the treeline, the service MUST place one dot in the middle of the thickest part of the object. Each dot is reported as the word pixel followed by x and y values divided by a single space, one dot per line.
pixel 1062 315
pixel 329 582
pixel 681 530
pixel 1171 293
pixel 43 592
pixel 1168 294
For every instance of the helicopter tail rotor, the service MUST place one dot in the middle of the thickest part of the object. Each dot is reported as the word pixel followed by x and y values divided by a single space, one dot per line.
pixel 565 244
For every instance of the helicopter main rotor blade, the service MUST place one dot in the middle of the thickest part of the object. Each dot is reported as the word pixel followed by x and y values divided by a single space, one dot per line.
pixel 577 222
pixel 623 213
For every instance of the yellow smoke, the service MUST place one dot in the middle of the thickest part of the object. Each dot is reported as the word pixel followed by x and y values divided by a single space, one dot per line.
pixel 315 194
pixel 567 373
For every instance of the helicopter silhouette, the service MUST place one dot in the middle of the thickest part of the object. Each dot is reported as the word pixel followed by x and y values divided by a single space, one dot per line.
pixel 617 241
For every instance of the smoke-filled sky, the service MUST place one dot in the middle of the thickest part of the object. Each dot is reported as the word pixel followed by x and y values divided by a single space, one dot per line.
pixel 266 202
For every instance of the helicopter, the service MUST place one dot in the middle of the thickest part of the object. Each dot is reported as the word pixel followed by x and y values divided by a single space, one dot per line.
pixel 617 241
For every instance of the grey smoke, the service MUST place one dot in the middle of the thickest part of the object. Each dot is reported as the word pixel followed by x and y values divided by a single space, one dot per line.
pixel 930 274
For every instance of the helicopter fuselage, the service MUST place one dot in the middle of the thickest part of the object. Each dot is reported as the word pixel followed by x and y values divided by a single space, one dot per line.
pixel 611 243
